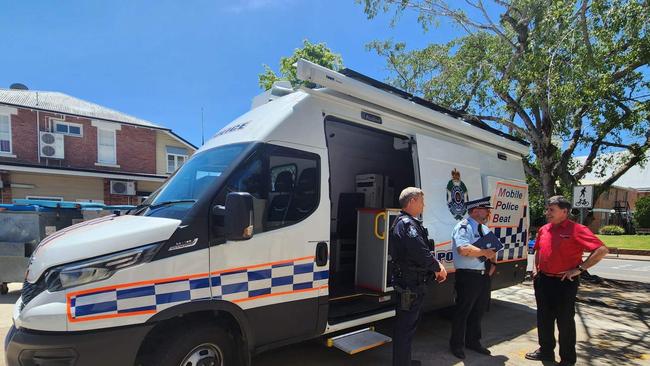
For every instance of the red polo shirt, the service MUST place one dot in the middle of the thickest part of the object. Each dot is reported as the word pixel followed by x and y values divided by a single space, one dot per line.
pixel 560 247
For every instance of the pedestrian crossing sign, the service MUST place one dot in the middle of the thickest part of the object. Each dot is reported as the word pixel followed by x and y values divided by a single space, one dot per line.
pixel 583 196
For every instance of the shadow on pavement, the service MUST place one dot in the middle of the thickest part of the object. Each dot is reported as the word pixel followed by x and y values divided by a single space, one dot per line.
pixel 10 298
pixel 504 322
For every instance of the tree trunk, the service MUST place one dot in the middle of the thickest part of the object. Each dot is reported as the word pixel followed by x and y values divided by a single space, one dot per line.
pixel 546 172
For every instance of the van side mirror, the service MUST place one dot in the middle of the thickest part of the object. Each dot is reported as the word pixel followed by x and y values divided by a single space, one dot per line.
pixel 239 220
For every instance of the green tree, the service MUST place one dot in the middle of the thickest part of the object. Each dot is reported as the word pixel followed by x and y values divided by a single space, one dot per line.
pixel 642 212
pixel 317 53
pixel 566 75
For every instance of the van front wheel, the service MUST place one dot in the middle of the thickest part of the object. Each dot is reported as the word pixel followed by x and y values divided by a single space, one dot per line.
pixel 200 346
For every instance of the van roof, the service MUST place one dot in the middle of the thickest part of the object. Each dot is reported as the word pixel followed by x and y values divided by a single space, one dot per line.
pixel 356 85
pixel 425 103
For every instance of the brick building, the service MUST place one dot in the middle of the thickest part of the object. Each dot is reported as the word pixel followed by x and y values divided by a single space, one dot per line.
pixel 616 205
pixel 54 146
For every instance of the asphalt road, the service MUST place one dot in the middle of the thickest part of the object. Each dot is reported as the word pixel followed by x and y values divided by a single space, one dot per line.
pixel 618 269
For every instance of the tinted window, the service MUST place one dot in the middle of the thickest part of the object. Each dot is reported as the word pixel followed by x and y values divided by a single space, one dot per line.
pixel 284 183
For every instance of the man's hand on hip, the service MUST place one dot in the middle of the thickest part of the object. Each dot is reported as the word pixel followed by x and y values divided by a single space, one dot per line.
pixel 571 274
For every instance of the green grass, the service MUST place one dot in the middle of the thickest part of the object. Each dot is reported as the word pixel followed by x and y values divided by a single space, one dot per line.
pixel 626 241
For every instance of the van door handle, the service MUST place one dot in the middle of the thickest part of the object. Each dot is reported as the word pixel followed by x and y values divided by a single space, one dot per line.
pixel 321 254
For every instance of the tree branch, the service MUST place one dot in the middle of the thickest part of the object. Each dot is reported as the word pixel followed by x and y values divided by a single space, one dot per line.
pixel 593 152
pixel 585 29
pixel 521 113
pixel 507 123
pixel 531 170
pixel 622 146
pixel 638 155
pixel 631 67
pixel 575 138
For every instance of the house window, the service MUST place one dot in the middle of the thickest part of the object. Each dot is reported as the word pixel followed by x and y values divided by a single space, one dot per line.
pixel 106 147
pixel 5 134
pixel 176 156
pixel 70 129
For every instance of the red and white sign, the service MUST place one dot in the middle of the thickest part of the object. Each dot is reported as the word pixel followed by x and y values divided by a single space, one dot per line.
pixel 509 201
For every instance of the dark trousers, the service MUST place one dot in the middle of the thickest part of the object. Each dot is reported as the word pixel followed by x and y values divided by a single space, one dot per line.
pixel 472 299
pixel 556 301
pixel 406 322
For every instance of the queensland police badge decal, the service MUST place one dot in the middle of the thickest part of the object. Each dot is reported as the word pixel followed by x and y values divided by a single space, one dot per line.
pixel 456 195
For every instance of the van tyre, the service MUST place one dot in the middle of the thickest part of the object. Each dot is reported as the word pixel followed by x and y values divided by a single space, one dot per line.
pixel 196 346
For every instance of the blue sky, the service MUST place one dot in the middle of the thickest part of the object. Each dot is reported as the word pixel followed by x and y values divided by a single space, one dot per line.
pixel 164 60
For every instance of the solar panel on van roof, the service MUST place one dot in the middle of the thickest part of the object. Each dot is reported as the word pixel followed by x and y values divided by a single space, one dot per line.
pixel 425 103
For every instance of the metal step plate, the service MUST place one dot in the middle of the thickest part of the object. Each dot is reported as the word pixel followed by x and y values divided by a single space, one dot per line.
pixel 358 341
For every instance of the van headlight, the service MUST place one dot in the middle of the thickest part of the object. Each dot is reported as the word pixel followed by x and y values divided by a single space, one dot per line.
pixel 97 269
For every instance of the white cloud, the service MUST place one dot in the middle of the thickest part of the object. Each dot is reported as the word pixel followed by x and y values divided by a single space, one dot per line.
pixel 241 6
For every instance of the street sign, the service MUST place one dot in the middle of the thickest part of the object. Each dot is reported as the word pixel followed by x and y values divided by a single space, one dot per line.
pixel 583 196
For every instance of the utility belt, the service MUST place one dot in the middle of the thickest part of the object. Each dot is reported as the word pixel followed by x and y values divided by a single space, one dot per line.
pixel 408 274
pixel 406 297
pixel 481 272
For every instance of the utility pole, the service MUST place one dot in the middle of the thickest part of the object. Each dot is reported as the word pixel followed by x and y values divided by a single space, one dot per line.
pixel 202 134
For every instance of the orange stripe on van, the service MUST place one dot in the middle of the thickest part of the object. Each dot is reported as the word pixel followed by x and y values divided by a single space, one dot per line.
pixel 443 243
pixel 170 279
pixel 110 316
pixel 279 293
pixel 262 265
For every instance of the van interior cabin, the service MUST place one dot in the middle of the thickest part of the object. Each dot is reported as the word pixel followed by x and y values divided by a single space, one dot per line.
pixel 368 170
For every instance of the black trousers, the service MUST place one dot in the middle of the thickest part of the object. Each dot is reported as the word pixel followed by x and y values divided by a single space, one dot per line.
pixel 472 299
pixel 556 302
pixel 406 322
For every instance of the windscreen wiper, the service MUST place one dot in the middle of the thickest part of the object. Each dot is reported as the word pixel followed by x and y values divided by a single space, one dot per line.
pixel 139 208
pixel 171 202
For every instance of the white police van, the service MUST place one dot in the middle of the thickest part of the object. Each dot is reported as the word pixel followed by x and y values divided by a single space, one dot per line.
pixel 251 244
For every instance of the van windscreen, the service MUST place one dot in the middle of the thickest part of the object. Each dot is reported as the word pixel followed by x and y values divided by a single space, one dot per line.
pixel 184 188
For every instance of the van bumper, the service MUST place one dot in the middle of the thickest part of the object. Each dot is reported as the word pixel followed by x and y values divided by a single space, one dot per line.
pixel 116 346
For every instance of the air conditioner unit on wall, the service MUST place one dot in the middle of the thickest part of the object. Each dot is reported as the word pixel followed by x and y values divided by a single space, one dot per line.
pixel 50 145
pixel 123 188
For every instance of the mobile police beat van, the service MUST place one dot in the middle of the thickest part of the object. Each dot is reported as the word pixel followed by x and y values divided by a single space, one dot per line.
pixel 272 233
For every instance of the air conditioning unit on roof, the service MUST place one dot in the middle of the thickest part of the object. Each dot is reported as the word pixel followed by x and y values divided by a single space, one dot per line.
pixel 50 145
pixel 123 188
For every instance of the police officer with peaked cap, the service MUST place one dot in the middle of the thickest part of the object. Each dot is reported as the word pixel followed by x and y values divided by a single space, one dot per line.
pixel 473 271
pixel 413 265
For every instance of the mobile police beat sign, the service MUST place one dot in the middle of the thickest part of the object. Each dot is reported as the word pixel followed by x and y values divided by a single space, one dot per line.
pixel 509 203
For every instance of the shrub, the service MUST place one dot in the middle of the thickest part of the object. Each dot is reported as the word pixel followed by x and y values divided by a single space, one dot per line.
pixel 611 230
pixel 642 212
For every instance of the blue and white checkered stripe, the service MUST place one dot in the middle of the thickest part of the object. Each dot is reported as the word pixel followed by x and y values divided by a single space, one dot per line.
pixel 514 239
pixel 238 285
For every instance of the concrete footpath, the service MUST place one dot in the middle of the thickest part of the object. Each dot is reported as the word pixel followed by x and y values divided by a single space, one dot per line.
pixel 628 256
pixel 611 320
pixel 612 317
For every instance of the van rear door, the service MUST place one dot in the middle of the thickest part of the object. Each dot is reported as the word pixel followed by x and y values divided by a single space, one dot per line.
pixel 449 177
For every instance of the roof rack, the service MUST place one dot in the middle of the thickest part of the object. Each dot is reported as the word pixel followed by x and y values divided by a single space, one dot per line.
pixel 425 103
pixel 356 84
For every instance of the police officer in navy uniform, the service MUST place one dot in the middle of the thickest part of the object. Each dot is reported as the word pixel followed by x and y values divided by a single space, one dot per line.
pixel 413 265
pixel 474 266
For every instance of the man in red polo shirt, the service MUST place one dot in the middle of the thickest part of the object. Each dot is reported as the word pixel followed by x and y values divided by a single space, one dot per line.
pixel 556 273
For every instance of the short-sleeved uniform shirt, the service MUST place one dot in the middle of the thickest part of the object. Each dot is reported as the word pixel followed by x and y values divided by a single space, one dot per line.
pixel 560 247
pixel 466 233
pixel 409 244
